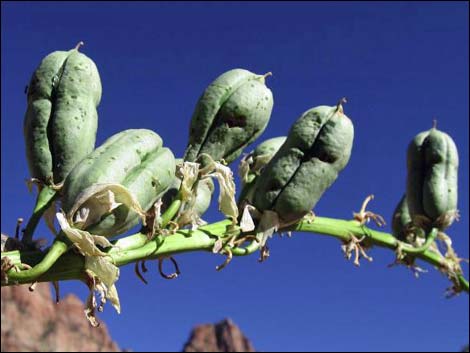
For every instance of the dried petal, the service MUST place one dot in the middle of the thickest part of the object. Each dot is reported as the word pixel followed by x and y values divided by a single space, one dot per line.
pixel 190 216
pixel 217 246
pixel 227 202
pixel 154 219
pixel 246 223
pixel 103 275
pixel 49 216
pixel 100 199
pixel 81 239
pixel 268 224
pixel 244 167
pixel 190 172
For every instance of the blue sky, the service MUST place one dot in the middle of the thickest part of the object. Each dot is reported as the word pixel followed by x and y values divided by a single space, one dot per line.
pixel 400 64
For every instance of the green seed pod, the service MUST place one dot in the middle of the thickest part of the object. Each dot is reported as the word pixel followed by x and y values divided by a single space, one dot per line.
pixel 253 164
pixel 232 112
pixel 132 158
pixel 432 161
pixel 317 148
pixel 61 120
pixel 401 219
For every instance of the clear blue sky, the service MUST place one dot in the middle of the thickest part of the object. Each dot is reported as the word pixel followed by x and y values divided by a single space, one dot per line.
pixel 401 65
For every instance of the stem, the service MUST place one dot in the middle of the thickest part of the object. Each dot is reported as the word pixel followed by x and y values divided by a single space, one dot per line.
pixel 262 78
pixel 137 247
pixel 44 200
pixel 339 106
pixel 250 249
pixel 431 237
pixel 55 251
pixel 138 240
pixel 79 44
pixel 463 282
pixel 170 212
pixel 343 229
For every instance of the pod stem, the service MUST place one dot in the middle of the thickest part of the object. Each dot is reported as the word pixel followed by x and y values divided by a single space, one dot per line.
pixel 170 212
pixel 44 200
pixel 34 274
pixel 79 44
pixel 243 251
pixel 429 240
pixel 262 78
pixel 463 283
pixel 339 106
pixel 434 123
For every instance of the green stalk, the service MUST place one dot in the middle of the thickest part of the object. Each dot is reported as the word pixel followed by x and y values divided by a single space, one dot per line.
pixel 429 240
pixel 344 229
pixel 170 212
pixel 44 200
pixel 463 282
pixel 31 275
pixel 71 265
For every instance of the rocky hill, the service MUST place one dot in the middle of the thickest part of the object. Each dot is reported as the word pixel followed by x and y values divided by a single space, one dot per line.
pixel 32 321
pixel 224 336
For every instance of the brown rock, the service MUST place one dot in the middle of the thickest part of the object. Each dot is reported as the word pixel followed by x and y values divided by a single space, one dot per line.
pixel 32 321
pixel 224 336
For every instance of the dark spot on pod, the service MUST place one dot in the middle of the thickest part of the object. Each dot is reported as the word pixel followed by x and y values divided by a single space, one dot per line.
pixel 326 157
pixel 236 121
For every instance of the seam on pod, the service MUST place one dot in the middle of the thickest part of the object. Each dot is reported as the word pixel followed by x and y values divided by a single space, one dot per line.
pixel 214 122
pixel 53 109
pixel 307 156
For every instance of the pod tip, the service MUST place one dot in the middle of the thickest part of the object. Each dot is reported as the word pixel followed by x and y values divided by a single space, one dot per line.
pixel 339 106
pixel 79 44
pixel 434 123
pixel 262 78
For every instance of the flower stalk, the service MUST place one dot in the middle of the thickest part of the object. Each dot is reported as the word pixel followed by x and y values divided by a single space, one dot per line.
pixel 137 247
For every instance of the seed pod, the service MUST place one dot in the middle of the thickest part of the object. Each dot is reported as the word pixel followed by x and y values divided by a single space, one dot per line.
pixel 252 165
pixel 317 148
pixel 61 119
pixel 232 112
pixel 432 161
pixel 134 159
pixel 401 219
